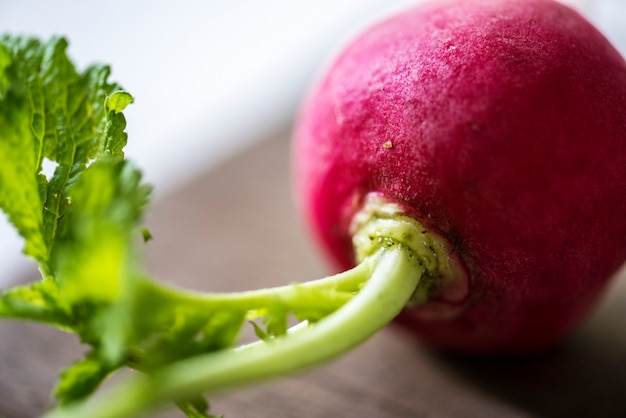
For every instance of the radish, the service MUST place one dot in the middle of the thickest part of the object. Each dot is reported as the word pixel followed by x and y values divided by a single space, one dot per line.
pixel 462 163
pixel 500 128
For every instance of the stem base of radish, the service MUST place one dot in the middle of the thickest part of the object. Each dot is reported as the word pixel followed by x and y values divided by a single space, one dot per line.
pixel 382 222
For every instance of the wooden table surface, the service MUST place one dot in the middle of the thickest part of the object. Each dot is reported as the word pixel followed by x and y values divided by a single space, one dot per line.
pixel 234 228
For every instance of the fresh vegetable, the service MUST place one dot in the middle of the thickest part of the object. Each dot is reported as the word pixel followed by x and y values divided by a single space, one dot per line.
pixel 462 156
pixel 501 127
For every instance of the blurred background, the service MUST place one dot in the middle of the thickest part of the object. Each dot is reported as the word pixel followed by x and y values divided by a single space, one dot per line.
pixel 210 78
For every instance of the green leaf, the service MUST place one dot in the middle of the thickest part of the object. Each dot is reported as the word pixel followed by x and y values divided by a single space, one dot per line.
pixel 95 246
pixel 49 110
pixel 20 196
pixel 276 322
pixel 118 101
pixel 37 301
pixel 259 332
pixel 197 407
pixel 146 234
pixel 81 223
pixel 5 61
pixel 178 330
pixel 81 379
pixel 114 136
pixel 95 254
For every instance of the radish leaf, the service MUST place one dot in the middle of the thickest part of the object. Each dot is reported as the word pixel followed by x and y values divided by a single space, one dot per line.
pixel 84 242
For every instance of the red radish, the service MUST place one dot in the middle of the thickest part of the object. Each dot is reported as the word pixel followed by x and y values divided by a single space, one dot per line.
pixel 500 125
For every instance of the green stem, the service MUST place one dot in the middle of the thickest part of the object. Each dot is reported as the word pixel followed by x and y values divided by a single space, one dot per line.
pixel 349 281
pixel 391 285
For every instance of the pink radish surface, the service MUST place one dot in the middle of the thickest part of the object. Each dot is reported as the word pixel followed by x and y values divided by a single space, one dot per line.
pixel 502 126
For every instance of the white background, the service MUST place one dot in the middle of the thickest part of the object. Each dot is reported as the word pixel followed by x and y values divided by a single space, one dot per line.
pixel 209 77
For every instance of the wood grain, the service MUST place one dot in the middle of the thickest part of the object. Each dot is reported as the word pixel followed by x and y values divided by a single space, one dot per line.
pixel 235 228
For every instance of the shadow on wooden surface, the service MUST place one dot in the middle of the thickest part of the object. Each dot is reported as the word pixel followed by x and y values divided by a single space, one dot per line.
pixel 236 228
pixel 584 377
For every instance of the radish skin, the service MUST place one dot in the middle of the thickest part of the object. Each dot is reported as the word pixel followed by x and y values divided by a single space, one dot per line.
pixel 499 125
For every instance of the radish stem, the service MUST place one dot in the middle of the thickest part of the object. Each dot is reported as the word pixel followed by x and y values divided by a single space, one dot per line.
pixel 390 287
pixel 348 281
